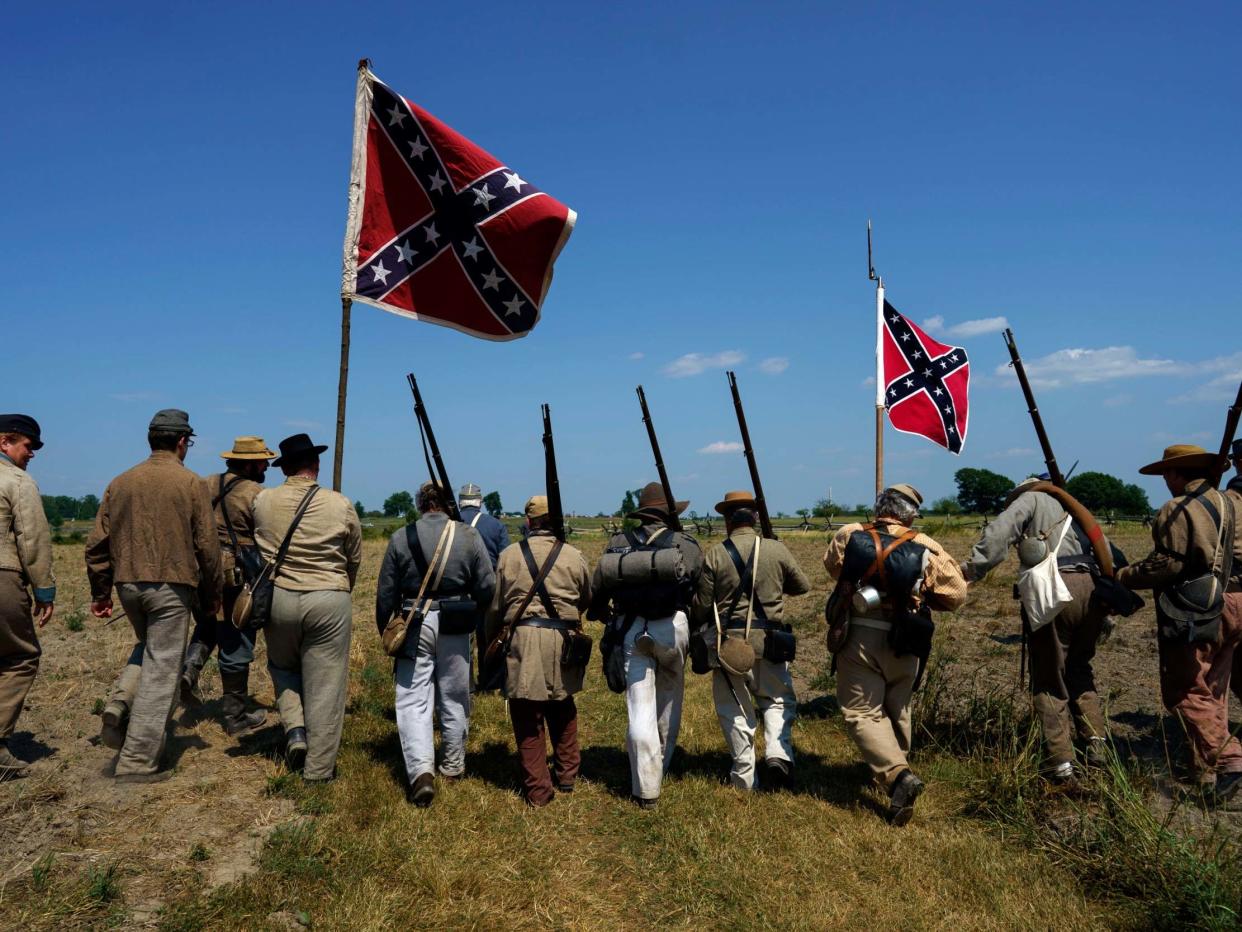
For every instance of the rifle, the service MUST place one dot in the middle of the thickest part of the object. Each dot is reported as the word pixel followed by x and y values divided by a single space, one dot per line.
pixel 1231 428
pixel 556 516
pixel 674 521
pixel 761 504
pixel 429 440
pixel 1054 471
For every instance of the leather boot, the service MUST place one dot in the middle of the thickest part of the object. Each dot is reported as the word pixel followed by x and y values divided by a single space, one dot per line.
pixel 11 766
pixel 237 720
pixel 196 656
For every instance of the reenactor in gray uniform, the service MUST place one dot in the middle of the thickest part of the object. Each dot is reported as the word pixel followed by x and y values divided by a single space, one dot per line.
pixel 437 572
pixel 649 617
pixel 540 628
pixel 738 610
pixel 1063 686
pixel 232 497
pixel 25 567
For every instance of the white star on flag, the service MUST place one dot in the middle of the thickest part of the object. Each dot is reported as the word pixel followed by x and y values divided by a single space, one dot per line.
pixel 396 116
pixel 514 182
pixel 381 273
pixel 436 183
pixel 404 252
pixel 432 235
pixel 483 196
pixel 514 306
pixel 417 148
pixel 472 248
pixel 492 280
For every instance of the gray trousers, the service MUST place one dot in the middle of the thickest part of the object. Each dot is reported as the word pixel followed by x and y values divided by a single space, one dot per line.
pixel 437 680
pixel 308 658
pixel 160 616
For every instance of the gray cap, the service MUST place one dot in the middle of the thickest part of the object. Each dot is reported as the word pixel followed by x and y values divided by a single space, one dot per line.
pixel 470 490
pixel 172 420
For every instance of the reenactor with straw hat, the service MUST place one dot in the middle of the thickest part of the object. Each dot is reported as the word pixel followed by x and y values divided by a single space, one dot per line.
pixel 232 498
pixel 740 634
pixel 1192 573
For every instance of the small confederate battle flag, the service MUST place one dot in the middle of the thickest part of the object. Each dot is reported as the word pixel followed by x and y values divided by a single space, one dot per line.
pixel 926 383
pixel 438 229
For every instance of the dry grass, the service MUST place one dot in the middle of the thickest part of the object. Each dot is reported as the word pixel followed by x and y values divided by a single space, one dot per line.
pixel 355 855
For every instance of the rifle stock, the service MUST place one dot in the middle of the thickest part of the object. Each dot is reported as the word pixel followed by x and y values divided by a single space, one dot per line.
pixel 437 473
pixel 556 515
pixel 674 521
pixel 1054 471
pixel 761 504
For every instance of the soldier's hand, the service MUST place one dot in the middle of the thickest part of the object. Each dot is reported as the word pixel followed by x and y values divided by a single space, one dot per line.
pixel 43 612
pixel 102 608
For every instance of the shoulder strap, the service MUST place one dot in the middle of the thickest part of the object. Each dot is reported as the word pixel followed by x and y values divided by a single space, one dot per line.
pixel 443 546
pixel 878 568
pixel 224 508
pixel 538 575
pixel 416 548
pixel 746 581
pixel 283 550
pixel 475 520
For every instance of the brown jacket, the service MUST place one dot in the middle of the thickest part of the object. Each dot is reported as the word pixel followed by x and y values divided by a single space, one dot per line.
pixel 534 668
pixel 25 538
pixel 326 549
pixel 155 525
pixel 776 576
pixel 240 504
pixel 1185 537
pixel 942 576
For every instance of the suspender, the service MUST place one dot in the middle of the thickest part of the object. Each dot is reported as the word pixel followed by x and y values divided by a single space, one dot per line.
pixel 224 508
pixel 475 520
pixel 538 575
pixel 746 584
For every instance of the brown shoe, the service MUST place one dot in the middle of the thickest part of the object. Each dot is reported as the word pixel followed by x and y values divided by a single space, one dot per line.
pixel 422 792
pixel 12 768
pixel 113 724
pixel 158 777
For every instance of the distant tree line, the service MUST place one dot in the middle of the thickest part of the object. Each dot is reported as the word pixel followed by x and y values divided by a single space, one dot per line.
pixel 981 491
pixel 62 508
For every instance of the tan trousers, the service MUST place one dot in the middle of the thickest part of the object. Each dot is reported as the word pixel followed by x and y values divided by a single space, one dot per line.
pixel 19 649
pixel 160 616
pixel 874 686
pixel 308 658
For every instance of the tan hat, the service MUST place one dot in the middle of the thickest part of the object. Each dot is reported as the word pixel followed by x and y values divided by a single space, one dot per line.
pixel 248 448
pixel 735 500
pixel 651 502
pixel 537 506
pixel 908 491
pixel 1182 456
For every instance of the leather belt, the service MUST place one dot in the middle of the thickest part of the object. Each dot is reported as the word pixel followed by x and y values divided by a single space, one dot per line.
pixel 551 624
pixel 872 623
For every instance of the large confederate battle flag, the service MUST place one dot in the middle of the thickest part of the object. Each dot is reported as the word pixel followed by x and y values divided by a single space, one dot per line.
pixel 926 383
pixel 440 230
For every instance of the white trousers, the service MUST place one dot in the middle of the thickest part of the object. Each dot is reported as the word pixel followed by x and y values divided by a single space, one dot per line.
pixel 437 682
pixel 767 689
pixel 653 694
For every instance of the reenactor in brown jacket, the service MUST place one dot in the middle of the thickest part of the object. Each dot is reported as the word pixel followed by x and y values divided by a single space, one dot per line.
pixel 881 662
pixel 25 567
pixel 539 625
pixel 738 608
pixel 232 497
pixel 1195 539
pixel 155 541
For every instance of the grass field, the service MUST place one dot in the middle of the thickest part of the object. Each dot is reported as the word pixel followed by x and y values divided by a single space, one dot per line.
pixel 990 846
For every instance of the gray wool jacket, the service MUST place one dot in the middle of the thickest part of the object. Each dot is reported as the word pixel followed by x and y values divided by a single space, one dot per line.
pixel 468 573
pixel 1031 514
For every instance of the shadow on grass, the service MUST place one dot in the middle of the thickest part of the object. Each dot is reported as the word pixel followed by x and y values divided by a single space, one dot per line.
pixel 267 741
pixel 26 746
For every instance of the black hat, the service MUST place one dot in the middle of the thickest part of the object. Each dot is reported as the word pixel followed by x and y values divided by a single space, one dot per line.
pixel 22 424
pixel 297 445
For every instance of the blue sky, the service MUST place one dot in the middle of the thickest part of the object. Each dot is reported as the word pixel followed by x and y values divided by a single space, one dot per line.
pixel 175 205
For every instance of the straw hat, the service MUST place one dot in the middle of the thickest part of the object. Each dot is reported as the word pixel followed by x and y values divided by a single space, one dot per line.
pixel 1182 456
pixel 735 500
pixel 248 448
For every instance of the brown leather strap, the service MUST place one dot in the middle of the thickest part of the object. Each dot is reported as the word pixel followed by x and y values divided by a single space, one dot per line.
pixel 877 568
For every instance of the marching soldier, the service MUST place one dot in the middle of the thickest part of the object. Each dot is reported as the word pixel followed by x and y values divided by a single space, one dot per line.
pixel 493 531
pixel 158 500
pixel 1063 686
pixel 232 496
pixel 25 565
pixel 1234 491
pixel 653 617
pixel 1195 538
pixel 312 615
pixel 897 575
pixel 538 626
pixel 437 572
pixel 738 606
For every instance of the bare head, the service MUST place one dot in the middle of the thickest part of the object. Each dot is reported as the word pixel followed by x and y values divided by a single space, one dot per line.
pixel 430 498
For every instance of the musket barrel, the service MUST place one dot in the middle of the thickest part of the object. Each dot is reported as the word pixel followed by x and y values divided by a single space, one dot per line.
pixel 1054 471
pixel 552 482
pixel 439 473
pixel 674 520
pixel 1231 428
pixel 761 504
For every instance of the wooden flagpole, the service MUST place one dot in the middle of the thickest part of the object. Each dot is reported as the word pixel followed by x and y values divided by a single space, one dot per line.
pixel 338 453
pixel 879 367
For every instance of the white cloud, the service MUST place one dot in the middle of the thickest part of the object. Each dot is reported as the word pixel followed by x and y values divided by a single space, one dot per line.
pixel 1222 388
pixel 698 363
pixel 1079 366
pixel 636 356
pixel 967 328
pixel 774 365
pixel 722 446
